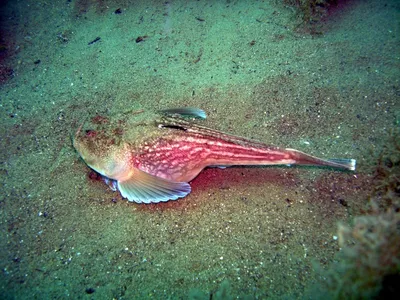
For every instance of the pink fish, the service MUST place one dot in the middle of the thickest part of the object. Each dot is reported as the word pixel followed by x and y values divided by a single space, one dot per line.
pixel 151 157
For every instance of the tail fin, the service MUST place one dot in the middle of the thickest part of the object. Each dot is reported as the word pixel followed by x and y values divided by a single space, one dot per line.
pixel 349 164
pixel 302 158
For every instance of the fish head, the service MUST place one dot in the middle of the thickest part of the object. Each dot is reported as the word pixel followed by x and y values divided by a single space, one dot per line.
pixel 104 153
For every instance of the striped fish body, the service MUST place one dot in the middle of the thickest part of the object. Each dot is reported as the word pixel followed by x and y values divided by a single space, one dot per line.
pixel 181 154
pixel 152 158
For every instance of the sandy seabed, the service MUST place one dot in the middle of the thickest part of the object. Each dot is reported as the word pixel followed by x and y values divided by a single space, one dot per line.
pixel 329 88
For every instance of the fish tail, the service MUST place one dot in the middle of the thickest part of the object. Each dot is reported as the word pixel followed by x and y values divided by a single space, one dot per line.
pixel 302 158
pixel 349 164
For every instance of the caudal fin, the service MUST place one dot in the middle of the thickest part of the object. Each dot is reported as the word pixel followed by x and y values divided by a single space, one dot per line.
pixel 349 164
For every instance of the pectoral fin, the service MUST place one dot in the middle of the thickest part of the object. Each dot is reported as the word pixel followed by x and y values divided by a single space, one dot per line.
pixel 142 187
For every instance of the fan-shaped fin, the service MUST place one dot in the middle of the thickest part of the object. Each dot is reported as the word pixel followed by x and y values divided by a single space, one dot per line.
pixel 142 187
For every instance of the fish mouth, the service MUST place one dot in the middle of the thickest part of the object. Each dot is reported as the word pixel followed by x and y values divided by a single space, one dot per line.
pixel 77 137
pixel 78 131
pixel 81 146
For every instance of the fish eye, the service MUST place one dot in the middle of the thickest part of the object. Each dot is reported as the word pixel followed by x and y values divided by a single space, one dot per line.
pixel 90 133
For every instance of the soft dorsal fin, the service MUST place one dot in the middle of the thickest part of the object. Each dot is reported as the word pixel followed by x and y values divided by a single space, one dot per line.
pixel 186 112
pixel 142 187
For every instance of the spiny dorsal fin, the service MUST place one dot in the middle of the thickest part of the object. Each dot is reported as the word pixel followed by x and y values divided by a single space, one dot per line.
pixel 186 112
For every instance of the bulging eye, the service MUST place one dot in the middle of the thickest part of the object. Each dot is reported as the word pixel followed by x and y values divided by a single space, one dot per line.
pixel 90 133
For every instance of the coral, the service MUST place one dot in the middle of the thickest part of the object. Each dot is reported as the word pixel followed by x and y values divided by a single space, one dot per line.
pixel 370 253
pixel 368 264
pixel 311 12
pixel 386 193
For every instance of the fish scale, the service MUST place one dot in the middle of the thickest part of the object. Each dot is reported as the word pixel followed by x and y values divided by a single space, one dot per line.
pixel 180 157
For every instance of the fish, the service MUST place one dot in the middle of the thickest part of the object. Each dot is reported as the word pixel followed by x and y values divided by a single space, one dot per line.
pixel 152 157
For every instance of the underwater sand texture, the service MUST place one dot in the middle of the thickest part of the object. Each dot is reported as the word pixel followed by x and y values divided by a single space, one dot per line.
pixel 331 91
